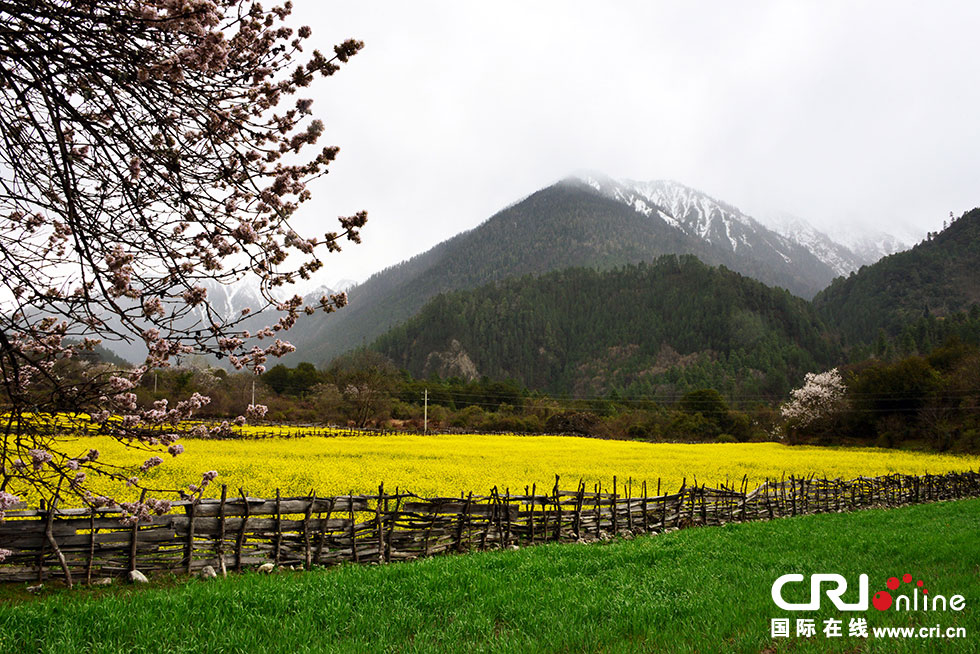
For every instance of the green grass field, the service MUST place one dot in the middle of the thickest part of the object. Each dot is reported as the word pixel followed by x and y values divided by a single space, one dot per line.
pixel 696 590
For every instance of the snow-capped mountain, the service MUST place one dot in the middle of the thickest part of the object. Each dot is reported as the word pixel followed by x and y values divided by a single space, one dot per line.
pixel 846 253
pixel 343 285
pixel 721 225
pixel 870 247
pixel 841 258
pixel 695 213
pixel 229 300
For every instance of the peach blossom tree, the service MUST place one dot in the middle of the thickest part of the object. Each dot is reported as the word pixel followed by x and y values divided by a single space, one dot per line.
pixel 147 146
pixel 818 404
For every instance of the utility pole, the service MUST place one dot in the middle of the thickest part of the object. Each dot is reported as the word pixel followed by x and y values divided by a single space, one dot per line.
pixel 425 429
pixel 154 383
pixel 253 392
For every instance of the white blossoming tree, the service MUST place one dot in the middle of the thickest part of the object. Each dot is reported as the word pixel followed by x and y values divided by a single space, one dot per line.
pixel 147 146
pixel 816 405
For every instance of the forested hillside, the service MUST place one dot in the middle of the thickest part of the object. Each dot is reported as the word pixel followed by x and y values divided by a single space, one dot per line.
pixel 561 226
pixel 568 224
pixel 938 277
pixel 666 327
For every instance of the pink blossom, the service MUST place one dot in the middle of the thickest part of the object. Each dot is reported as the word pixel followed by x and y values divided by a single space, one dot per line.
pixel 152 462
pixel 6 501
pixel 39 458
pixel 256 411
pixel 120 383
pixel 195 295
pixel 821 395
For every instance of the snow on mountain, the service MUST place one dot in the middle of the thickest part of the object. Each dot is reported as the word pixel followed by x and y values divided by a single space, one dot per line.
pixel 694 212
pixel 701 216
pixel 849 249
pixel 344 285
pixel 871 246
pixel 229 300
pixel 313 297
pixel 841 258
pixel 723 225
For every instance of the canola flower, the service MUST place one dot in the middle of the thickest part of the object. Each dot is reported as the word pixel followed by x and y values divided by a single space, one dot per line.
pixel 67 423
pixel 446 465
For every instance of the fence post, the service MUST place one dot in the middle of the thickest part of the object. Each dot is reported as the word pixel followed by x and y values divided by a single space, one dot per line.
pixel 704 506
pixel 91 546
pixel 306 532
pixel 49 533
pixel 323 529
pixel 530 517
pixel 278 536
pixel 558 511
pixel 544 515
pixel 495 518
pixel 44 543
pixel 353 532
pixel 379 524
pixel 220 545
pixel 507 534
pixel 781 500
pixel 745 497
pixel 598 508
pixel 646 518
pixel 629 504
pixel 663 508
pixel 240 542
pixel 134 537
pixel 615 508
pixel 391 524
pixel 459 525
pixel 189 546
pixel 489 521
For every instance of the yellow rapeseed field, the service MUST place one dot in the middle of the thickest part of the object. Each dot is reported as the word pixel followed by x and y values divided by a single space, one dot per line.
pixel 447 465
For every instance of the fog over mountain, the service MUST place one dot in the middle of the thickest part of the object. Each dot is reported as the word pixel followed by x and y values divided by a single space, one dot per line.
pixel 847 115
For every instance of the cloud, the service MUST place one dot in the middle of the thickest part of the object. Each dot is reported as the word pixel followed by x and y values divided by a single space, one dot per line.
pixel 842 113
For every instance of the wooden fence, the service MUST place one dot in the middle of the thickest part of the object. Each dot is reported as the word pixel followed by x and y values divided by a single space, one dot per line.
pixel 238 532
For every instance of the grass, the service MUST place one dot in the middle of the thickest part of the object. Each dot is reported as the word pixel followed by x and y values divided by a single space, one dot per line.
pixel 696 590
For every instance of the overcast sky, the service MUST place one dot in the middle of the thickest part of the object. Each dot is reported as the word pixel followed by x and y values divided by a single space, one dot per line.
pixel 843 113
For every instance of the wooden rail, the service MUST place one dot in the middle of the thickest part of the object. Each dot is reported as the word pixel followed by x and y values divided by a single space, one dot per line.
pixel 238 531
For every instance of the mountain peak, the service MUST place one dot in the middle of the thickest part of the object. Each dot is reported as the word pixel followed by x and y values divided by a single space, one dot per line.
pixel 692 211
pixel 847 251
pixel 838 256
pixel 707 219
